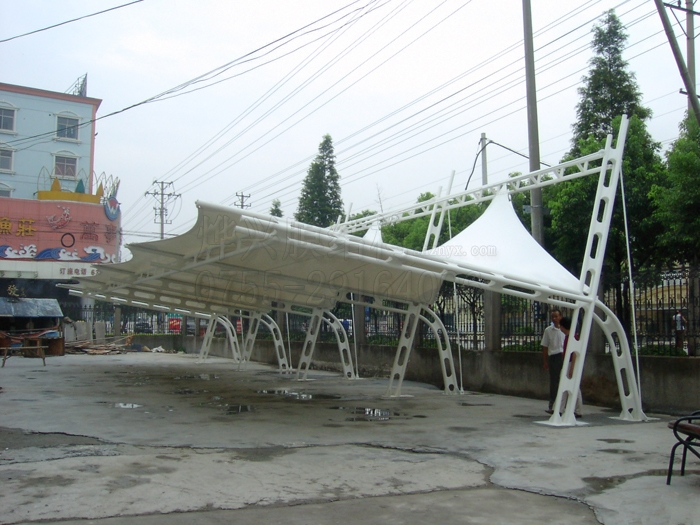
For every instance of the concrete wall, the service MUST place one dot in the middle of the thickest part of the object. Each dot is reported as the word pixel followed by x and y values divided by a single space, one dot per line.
pixel 669 384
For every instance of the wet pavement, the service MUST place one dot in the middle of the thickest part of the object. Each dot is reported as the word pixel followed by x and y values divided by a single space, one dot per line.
pixel 147 439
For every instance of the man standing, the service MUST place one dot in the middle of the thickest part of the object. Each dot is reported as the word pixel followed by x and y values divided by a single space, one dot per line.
pixel 553 354
pixel 680 323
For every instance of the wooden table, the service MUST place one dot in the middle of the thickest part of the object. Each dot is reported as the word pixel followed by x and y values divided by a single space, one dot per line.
pixel 9 351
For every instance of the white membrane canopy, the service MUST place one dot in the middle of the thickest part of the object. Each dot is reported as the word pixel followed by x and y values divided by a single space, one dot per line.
pixel 235 259
pixel 498 243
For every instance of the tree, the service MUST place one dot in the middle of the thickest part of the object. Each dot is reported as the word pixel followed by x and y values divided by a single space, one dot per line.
pixel 361 215
pixel 610 91
pixel 677 202
pixel 411 233
pixel 676 208
pixel 320 203
pixel 408 233
pixel 276 208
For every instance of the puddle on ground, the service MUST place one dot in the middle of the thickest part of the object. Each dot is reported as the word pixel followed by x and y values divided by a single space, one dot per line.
pixel 461 429
pixel 368 414
pixel 127 405
pixel 187 391
pixel 525 416
pixel 476 404
pixel 205 377
pixel 616 451
pixel 239 409
pixel 597 485
pixel 301 396
pixel 616 440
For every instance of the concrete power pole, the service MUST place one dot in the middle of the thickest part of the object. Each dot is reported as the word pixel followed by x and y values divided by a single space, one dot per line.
pixel 163 199
pixel 241 203
pixel 536 218
pixel 690 45
pixel 675 48
pixel 492 300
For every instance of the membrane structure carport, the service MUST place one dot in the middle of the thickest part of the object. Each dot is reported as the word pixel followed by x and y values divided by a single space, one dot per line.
pixel 236 262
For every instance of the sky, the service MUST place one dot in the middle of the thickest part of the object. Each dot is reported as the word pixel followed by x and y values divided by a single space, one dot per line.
pixel 230 98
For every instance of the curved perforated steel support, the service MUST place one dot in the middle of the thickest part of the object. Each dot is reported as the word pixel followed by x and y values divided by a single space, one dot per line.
pixel 630 397
pixel 307 351
pixel 341 337
pixel 206 342
pixel 231 338
pixel 593 257
pixel 249 338
pixel 277 340
pixel 256 319
pixel 403 352
pixel 317 317
pixel 444 350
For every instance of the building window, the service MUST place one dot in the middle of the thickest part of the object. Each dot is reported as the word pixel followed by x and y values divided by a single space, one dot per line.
pixel 7 119
pixel 5 190
pixel 5 159
pixel 66 166
pixel 67 128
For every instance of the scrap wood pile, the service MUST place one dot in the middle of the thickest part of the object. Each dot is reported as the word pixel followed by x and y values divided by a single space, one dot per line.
pixel 118 346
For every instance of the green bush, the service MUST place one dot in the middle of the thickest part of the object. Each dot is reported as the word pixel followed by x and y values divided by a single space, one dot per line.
pixel 532 346
pixel 661 350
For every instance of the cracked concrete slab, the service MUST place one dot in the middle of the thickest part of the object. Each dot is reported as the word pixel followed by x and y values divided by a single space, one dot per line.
pixel 147 437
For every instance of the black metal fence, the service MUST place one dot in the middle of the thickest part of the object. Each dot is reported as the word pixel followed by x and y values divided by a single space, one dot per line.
pixel 658 296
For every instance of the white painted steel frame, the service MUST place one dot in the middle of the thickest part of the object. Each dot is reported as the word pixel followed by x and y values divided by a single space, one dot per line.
pixel 231 338
pixel 237 259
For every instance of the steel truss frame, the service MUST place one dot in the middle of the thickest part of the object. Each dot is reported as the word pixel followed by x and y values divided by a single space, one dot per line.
pixel 237 242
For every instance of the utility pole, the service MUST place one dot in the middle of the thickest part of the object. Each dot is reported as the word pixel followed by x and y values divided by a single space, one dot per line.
pixel 163 199
pixel 484 170
pixel 241 202
pixel 492 300
pixel 675 48
pixel 536 220
pixel 690 44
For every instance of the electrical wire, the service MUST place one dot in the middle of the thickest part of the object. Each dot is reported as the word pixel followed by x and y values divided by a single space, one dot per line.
pixel 293 35
pixel 302 161
pixel 68 21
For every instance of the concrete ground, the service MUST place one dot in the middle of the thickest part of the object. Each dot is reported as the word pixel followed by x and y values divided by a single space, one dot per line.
pixel 151 439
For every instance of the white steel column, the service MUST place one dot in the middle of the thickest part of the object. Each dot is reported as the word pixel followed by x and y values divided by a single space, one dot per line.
pixel 444 350
pixel 307 351
pixel 206 342
pixel 630 397
pixel 231 338
pixel 403 352
pixel 341 337
pixel 249 338
pixel 277 340
pixel 590 279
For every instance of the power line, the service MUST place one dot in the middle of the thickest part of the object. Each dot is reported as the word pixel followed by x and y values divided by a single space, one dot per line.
pixel 374 146
pixel 69 21
pixel 161 96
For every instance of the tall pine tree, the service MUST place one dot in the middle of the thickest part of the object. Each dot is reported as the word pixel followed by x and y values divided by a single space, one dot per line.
pixel 320 203
pixel 276 208
pixel 609 91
